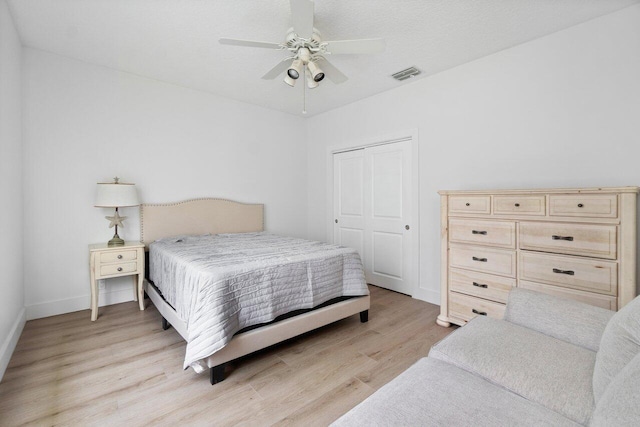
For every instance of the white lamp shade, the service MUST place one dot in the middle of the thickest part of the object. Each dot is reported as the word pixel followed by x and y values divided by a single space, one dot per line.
pixel 111 195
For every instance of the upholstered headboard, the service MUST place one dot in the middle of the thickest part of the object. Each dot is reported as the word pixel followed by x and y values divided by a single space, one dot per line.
pixel 198 216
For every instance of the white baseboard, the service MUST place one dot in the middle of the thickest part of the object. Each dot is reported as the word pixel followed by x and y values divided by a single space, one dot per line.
pixel 69 305
pixel 9 344
pixel 427 295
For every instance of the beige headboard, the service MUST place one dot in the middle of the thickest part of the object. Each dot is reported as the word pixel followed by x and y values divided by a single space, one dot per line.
pixel 198 216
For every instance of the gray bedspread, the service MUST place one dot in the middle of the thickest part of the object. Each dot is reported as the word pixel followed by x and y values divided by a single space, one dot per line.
pixel 220 284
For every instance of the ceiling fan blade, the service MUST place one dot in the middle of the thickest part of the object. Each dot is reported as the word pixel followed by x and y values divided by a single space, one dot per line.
pixel 356 46
pixel 332 72
pixel 302 17
pixel 280 68
pixel 250 43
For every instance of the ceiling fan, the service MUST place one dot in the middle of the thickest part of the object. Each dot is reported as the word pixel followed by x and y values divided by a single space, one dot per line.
pixel 307 49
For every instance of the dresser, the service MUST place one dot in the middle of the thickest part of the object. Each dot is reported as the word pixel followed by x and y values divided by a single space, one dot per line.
pixel 573 243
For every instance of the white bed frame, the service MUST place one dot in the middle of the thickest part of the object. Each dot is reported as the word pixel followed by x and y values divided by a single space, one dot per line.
pixel 199 216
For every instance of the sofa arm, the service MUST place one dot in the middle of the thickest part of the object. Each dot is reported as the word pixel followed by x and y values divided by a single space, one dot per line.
pixel 570 321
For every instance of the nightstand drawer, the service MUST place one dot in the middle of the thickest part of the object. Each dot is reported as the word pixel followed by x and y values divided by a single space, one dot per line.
pixel 487 233
pixel 519 205
pixel 120 268
pixel 116 256
pixel 466 307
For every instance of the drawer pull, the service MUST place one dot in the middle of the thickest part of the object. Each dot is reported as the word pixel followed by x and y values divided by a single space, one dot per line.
pixel 580 205
pixel 119 256
pixel 484 233
pixel 479 259
pixel 480 313
pixel 568 238
pixel 119 268
pixel 517 205
pixel 467 204
pixel 480 285
pixel 569 272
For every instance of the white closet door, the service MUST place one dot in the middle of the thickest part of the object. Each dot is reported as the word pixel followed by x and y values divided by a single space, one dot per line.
pixel 348 206
pixel 373 205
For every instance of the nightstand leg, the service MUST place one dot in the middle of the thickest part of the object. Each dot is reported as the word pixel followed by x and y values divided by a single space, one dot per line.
pixel 94 292
pixel 141 291
pixel 135 287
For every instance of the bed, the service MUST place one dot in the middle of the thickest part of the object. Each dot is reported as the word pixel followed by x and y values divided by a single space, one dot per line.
pixel 233 228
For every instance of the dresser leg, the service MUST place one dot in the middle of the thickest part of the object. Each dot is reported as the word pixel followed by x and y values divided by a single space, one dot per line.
pixel 442 322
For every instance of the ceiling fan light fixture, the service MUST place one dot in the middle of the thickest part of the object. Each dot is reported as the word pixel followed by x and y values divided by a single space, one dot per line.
pixel 316 73
pixel 295 69
pixel 288 80
pixel 311 83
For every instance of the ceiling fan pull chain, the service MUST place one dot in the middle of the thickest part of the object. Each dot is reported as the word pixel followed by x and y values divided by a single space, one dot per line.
pixel 304 94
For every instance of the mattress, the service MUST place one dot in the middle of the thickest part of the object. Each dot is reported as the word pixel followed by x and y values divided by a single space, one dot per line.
pixel 220 284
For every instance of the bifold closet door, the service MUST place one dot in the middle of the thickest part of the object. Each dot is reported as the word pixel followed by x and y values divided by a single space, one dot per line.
pixel 372 206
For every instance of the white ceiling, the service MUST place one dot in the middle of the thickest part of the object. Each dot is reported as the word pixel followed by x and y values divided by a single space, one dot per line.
pixel 176 41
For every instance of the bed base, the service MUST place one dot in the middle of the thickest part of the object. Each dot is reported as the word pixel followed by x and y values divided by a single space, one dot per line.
pixel 264 336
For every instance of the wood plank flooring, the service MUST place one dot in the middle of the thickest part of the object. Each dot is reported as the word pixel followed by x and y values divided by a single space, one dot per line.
pixel 124 369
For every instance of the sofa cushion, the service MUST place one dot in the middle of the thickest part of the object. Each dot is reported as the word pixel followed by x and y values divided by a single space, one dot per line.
pixel 551 372
pixel 434 393
pixel 620 343
pixel 620 403
pixel 571 321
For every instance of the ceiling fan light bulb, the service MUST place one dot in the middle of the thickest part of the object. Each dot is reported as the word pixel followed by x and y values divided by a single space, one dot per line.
pixel 316 73
pixel 295 69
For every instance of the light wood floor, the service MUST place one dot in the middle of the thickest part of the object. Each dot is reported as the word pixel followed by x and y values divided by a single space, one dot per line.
pixel 124 369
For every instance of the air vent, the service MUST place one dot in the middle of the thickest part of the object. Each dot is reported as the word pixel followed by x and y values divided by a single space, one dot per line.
pixel 406 74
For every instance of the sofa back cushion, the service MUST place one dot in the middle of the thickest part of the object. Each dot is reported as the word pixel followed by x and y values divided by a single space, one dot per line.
pixel 620 403
pixel 620 343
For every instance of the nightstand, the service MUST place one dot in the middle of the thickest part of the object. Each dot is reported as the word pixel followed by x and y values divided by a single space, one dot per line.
pixel 107 262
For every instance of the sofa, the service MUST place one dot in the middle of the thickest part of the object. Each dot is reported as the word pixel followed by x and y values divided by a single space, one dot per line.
pixel 550 361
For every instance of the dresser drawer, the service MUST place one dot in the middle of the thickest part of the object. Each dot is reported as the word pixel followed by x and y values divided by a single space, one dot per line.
pixel 485 260
pixel 488 233
pixel 597 241
pixel 519 205
pixel 470 204
pixel 117 269
pixel 587 205
pixel 570 272
pixel 466 307
pixel 116 256
pixel 599 300
pixel 487 286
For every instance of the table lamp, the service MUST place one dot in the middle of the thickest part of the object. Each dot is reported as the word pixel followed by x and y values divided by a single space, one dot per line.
pixel 116 194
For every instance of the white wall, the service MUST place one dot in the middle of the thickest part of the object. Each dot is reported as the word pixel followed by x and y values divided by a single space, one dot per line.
pixel 12 314
pixel 561 111
pixel 85 124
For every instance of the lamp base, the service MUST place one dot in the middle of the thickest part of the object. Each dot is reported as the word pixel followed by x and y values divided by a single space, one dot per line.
pixel 116 241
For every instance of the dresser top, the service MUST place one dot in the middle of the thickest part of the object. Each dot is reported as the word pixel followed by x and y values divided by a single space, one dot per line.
pixel 594 190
